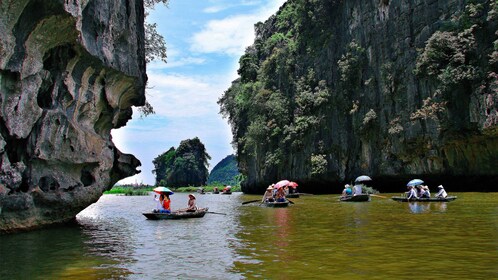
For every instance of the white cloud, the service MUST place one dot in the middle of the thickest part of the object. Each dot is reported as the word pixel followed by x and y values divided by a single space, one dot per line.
pixel 233 34
pixel 174 95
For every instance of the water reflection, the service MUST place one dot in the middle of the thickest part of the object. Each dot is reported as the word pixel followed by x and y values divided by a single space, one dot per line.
pixel 317 238
pixel 427 207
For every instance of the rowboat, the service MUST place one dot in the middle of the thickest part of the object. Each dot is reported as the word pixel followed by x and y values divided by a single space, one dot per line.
pixel 356 198
pixel 277 204
pixel 432 199
pixel 292 195
pixel 176 215
pixel 226 192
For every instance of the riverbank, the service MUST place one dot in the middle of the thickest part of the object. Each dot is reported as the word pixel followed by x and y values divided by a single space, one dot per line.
pixel 146 189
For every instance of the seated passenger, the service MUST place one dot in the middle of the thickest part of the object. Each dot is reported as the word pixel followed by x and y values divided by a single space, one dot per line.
pixel 347 191
pixel 411 193
pixel 425 192
pixel 357 189
pixel 442 193
pixel 280 195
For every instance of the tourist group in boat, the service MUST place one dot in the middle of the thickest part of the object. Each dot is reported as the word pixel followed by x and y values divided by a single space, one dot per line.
pixel 276 196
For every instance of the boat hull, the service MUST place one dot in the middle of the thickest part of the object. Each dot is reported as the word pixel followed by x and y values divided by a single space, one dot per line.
pixel 432 199
pixel 177 215
pixel 292 195
pixel 356 198
pixel 277 204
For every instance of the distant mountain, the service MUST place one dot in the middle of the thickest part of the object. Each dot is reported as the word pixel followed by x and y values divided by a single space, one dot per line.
pixel 225 171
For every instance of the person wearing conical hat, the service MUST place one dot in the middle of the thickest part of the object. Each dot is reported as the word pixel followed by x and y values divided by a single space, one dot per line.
pixel 191 206
pixel 268 196
pixel 442 193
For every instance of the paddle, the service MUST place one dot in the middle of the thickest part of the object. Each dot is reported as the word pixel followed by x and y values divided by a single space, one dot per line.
pixel 379 196
pixel 250 201
pixel 215 213
pixel 290 201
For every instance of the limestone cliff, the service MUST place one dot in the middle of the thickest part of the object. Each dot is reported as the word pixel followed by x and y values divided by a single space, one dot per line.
pixel 69 73
pixel 334 89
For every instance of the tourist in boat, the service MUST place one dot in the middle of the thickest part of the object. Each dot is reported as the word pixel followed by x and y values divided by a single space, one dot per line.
pixel 411 193
pixel 268 196
pixel 163 204
pixel 425 193
pixel 357 189
pixel 215 190
pixel 280 196
pixel 191 206
pixel 442 193
pixel 347 191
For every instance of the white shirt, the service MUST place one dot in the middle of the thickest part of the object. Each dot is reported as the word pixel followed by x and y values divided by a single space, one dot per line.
pixel 442 193
pixel 357 189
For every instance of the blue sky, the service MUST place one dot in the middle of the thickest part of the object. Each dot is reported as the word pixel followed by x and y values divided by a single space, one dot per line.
pixel 205 39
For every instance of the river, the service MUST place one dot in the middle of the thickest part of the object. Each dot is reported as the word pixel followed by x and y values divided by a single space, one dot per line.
pixel 315 238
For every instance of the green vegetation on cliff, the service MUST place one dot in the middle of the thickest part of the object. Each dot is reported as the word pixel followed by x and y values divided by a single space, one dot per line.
pixel 327 91
pixel 225 172
pixel 185 166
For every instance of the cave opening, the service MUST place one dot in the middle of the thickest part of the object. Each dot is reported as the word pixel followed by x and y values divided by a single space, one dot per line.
pixel 48 183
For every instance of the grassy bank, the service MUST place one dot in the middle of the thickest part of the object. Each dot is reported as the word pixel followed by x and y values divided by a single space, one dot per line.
pixel 130 190
pixel 146 189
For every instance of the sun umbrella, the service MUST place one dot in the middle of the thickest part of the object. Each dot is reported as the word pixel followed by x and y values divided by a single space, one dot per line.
pixel 293 184
pixel 415 182
pixel 362 178
pixel 282 183
pixel 163 190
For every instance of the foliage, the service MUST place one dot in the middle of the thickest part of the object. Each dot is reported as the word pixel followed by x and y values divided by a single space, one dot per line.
pixel 277 107
pixel 185 166
pixel 429 110
pixel 350 64
pixel 155 47
pixel 140 189
pixel 225 172
pixel 318 164
pixel 454 60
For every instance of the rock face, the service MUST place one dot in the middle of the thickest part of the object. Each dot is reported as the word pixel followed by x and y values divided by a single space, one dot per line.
pixel 392 89
pixel 69 73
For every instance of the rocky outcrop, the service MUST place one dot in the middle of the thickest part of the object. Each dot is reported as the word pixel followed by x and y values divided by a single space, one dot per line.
pixel 392 89
pixel 69 73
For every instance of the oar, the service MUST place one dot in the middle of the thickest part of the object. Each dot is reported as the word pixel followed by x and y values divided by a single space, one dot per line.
pixel 290 201
pixel 250 201
pixel 215 213
pixel 379 196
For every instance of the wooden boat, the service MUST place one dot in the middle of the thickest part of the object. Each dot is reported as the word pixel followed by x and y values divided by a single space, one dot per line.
pixel 277 204
pixel 356 198
pixel 432 199
pixel 226 192
pixel 176 215
pixel 292 195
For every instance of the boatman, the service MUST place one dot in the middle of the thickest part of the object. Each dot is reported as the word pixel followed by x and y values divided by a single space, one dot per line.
pixel 442 193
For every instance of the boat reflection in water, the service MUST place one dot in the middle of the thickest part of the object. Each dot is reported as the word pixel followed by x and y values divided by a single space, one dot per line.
pixel 424 207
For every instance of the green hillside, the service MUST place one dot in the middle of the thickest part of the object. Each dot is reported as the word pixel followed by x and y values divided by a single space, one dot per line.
pixel 225 172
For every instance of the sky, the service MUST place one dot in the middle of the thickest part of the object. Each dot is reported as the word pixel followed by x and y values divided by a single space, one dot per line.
pixel 204 40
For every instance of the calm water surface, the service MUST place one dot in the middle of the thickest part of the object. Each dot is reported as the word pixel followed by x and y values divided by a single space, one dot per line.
pixel 316 238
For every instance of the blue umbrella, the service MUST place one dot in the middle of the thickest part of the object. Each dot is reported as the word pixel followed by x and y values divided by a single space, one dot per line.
pixel 163 190
pixel 362 178
pixel 415 182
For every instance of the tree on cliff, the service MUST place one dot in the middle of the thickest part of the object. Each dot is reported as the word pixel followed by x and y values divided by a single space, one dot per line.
pixel 185 166
pixel 155 47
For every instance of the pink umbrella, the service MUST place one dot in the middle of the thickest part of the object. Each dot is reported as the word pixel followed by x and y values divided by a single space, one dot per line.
pixel 282 183
pixel 293 184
